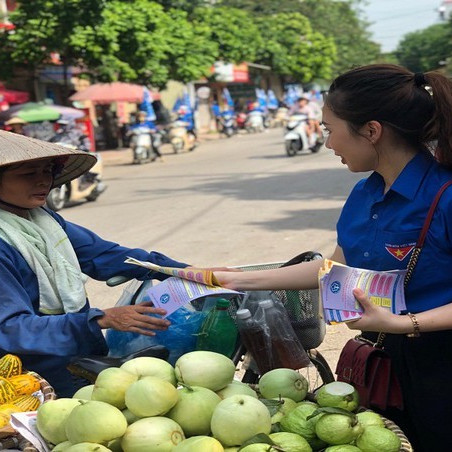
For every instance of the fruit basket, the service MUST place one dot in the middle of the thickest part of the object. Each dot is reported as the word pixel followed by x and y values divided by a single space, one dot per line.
pixel 9 438
pixel 406 446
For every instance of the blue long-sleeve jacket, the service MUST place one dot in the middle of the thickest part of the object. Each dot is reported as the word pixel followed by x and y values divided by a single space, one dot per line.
pixel 46 343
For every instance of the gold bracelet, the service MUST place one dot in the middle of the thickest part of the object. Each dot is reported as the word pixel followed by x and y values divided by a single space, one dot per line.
pixel 416 327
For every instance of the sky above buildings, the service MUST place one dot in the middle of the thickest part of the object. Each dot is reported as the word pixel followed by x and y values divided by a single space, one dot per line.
pixel 391 19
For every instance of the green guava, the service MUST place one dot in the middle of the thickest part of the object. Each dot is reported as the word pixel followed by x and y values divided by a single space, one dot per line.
pixel 286 407
pixel 377 439
pixel 257 447
pixel 87 447
pixel 339 395
pixel 338 429
pixel 283 382
pixel 343 448
pixel 367 418
pixel 296 421
pixel 62 447
pixel 290 442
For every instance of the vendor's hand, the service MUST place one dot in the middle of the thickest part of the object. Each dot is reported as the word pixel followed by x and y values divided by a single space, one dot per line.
pixel 376 318
pixel 134 319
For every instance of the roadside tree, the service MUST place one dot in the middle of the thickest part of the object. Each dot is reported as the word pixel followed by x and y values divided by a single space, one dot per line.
pixel 293 49
pixel 235 32
pixel 427 49
pixel 112 40
pixel 342 21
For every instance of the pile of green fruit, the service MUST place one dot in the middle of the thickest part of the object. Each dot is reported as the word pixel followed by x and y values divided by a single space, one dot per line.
pixel 147 405
pixel 331 424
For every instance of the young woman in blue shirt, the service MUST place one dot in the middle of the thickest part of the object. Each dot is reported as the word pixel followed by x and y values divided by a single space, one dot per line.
pixel 397 124
pixel 45 317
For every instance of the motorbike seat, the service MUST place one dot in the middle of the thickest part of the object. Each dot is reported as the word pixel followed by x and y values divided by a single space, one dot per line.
pixel 89 367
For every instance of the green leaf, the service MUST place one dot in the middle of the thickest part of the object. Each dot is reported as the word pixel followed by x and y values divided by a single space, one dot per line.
pixel 272 405
pixel 331 410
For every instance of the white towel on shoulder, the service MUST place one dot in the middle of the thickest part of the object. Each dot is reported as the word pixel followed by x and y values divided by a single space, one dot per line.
pixel 46 248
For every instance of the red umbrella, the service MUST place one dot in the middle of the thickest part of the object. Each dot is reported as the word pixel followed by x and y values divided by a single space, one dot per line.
pixel 106 93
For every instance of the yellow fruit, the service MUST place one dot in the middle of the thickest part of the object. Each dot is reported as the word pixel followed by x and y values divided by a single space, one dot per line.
pixel 4 420
pixel 8 408
pixel 25 384
pixel 7 391
pixel 10 365
pixel 26 402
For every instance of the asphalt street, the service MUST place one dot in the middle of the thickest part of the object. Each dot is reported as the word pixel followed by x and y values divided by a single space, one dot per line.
pixel 229 202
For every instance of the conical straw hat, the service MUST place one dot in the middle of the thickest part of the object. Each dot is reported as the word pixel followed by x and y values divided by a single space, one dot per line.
pixel 16 148
pixel 15 120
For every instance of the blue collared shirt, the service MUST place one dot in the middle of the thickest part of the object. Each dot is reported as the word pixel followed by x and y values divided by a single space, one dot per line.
pixel 378 231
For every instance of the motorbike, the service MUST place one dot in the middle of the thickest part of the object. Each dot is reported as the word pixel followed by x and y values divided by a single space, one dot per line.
pixel 143 142
pixel 227 124
pixel 88 186
pixel 241 120
pixel 255 122
pixel 296 137
pixel 181 138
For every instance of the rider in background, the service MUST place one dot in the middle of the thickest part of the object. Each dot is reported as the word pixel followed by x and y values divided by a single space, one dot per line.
pixel 314 113
pixel 144 122
pixel 185 115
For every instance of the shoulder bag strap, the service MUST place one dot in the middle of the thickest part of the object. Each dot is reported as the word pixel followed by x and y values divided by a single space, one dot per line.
pixel 421 239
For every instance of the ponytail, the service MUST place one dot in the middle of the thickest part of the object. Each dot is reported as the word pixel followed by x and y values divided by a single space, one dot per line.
pixel 439 128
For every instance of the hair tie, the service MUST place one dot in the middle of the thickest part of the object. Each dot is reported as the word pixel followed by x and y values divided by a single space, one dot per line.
pixel 419 79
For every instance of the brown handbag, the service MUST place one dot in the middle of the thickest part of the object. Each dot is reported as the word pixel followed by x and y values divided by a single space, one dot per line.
pixel 365 364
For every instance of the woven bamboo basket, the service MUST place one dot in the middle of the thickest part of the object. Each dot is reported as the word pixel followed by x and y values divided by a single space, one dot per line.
pixel 405 446
pixel 9 438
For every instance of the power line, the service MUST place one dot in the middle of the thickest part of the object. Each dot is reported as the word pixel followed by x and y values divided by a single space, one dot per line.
pixel 402 15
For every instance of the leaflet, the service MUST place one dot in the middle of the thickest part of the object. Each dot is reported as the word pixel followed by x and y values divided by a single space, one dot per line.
pixel 25 425
pixel 200 275
pixel 174 292
pixel 337 281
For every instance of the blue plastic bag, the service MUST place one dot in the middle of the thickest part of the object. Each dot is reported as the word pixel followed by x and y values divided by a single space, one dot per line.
pixel 179 338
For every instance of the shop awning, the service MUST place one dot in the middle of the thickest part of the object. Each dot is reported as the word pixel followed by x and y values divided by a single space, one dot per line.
pixel 12 96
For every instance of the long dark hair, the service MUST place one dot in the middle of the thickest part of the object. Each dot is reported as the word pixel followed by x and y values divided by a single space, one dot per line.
pixel 417 106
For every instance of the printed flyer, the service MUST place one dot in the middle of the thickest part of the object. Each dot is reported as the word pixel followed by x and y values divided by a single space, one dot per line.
pixel 337 281
pixel 199 275
pixel 184 285
pixel 173 293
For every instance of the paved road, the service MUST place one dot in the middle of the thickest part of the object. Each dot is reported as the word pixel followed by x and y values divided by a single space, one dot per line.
pixel 230 202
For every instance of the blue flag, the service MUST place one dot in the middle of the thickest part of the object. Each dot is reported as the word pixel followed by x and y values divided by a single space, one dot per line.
pixel 291 95
pixel 272 101
pixel 183 101
pixel 146 105
pixel 228 99
pixel 261 98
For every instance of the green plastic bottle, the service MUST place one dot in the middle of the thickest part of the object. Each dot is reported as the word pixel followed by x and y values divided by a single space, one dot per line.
pixel 218 332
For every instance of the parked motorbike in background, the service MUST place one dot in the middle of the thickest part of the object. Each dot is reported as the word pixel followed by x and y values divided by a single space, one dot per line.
pixel 255 121
pixel 241 120
pixel 296 137
pixel 227 123
pixel 88 186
